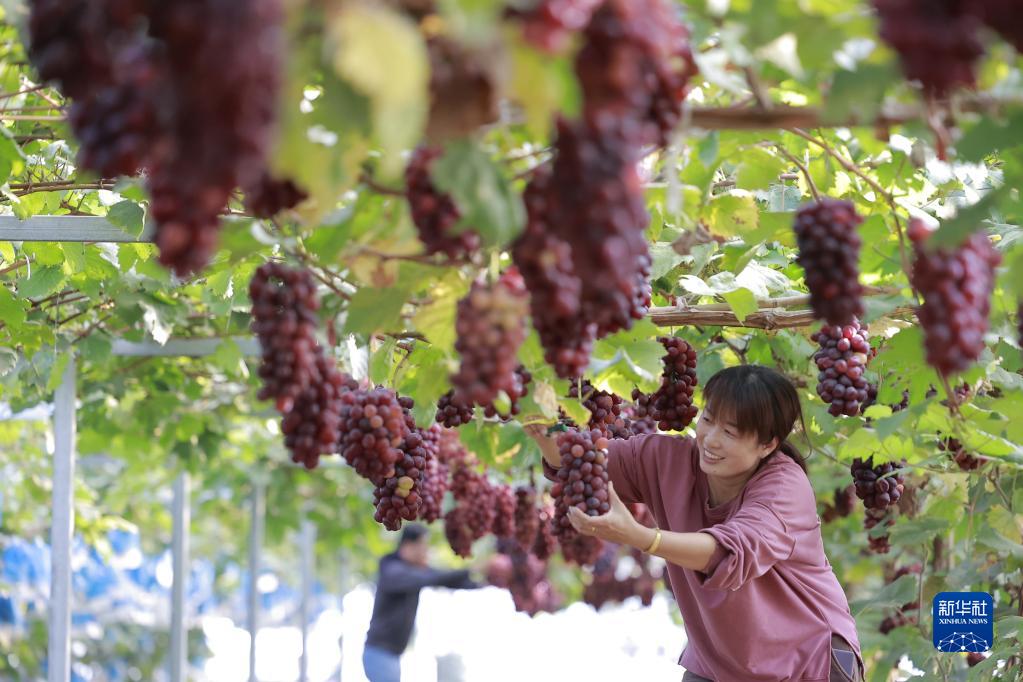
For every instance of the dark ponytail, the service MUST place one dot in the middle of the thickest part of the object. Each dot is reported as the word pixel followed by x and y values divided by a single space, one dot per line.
pixel 758 400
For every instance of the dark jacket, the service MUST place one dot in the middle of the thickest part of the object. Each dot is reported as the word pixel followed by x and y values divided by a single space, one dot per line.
pixel 397 598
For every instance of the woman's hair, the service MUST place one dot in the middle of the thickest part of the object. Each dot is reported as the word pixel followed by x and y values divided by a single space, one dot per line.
pixel 758 400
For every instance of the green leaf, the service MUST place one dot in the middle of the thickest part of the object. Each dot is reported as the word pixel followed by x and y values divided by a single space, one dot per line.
pixel 486 199
pixel 575 410
pixel 221 284
pixel 858 95
pixel 759 169
pixel 989 135
pixel 8 361
pixel 1008 525
pixel 372 310
pixel 43 282
pixel 742 302
pixel 380 362
pixel 954 232
pixel 74 257
pixel 10 153
pixel 773 227
pixel 12 310
pixel 7 252
pixel 918 531
pixel 732 214
pixel 664 259
pixel 128 216
pixel 228 356
pixel 57 371
pixel 383 55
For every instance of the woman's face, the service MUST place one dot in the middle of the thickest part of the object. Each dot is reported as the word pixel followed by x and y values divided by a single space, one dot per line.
pixel 724 452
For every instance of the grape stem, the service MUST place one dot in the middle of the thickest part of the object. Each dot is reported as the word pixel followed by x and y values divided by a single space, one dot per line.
pixel 367 179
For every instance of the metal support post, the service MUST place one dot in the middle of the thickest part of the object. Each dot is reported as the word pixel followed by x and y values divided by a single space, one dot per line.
pixel 179 622
pixel 62 530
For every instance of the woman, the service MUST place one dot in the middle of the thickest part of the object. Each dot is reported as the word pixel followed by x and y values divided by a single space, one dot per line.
pixel 737 523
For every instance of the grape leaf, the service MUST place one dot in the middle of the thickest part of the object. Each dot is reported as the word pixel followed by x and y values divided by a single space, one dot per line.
pixel 484 196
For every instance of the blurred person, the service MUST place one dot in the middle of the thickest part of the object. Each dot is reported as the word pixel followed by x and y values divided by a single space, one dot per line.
pixel 403 573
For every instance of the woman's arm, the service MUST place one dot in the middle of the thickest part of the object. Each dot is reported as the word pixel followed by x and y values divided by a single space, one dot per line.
pixel 688 550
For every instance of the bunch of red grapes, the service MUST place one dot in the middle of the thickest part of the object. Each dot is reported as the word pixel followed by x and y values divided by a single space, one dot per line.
pixel 145 98
pixel 841 361
pixel 956 285
pixel 878 486
pixel 671 406
pixel 878 541
pixel 938 41
pixel 829 251
pixel 504 511
pixel 400 496
pixel 373 429
pixel 544 258
pixel 634 66
pixel 582 483
pixel 433 212
pixel 490 325
pixel 304 383
pixel 549 24
pixel 844 501
pixel 527 517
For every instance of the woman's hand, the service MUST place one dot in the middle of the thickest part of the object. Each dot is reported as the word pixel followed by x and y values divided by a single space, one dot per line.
pixel 548 445
pixel 617 525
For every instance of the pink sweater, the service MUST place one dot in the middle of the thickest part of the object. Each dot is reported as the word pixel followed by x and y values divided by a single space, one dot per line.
pixel 766 605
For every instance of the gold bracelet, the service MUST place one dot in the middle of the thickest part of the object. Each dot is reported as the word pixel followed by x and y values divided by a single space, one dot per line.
pixel 656 543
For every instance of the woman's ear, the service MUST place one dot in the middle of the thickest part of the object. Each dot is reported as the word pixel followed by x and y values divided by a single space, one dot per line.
pixel 770 447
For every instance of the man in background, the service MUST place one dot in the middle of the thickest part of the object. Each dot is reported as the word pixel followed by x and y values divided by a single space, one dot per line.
pixel 402 574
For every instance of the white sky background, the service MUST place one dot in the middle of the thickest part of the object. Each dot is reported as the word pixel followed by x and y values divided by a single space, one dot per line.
pixel 478 628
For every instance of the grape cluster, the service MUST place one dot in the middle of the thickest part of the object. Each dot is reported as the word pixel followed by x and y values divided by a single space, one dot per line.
pixel 956 285
pixel 120 125
pixel 312 427
pixel 1001 16
pixel 545 261
pixel 845 500
pixel 525 577
pixel 268 196
pixel 634 66
pixel 451 413
pixel 635 424
pixel 605 409
pixel 527 517
pixel 520 388
pixel 975 657
pixel 596 205
pixel 878 486
pixel 74 43
pixel 490 325
pixel 549 24
pixel 433 488
pixel 475 511
pixel 304 383
pixel 463 93
pixel 504 502
pixel 434 213
pixel 878 542
pixel 400 496
pixel 284 306
pixel 937 40
pixel 829 251
pixel 957 452
pixel 582 483
pixel 373 429
pixel 671 406
pixel 545 542
pixel 841 361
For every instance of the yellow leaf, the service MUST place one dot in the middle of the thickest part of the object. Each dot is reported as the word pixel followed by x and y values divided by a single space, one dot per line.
pixel 383 56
